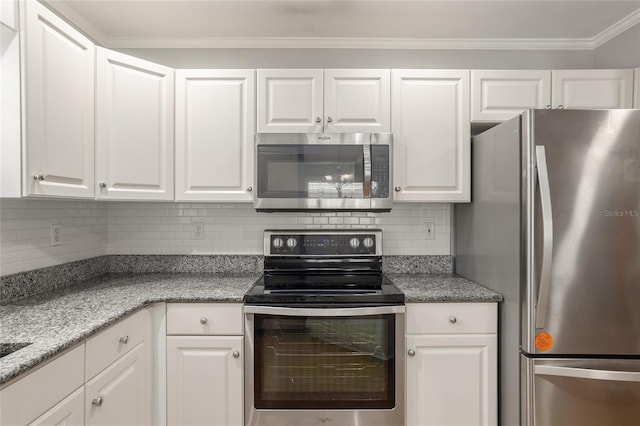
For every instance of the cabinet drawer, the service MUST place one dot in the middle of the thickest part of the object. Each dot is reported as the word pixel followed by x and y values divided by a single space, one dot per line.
pixel 109 345
pixel 451 318
pixel 29 397
pixel 204 318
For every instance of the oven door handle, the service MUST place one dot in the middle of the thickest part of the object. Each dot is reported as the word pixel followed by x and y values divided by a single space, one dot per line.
pixel 324 312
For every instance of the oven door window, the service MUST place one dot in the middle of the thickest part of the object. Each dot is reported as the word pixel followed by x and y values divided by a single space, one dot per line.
pixel 311 171
pixel 324 362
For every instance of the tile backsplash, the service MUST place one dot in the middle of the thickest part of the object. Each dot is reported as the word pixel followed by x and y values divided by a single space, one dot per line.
pixel 91 228
pixel 227 228
pixel 25 233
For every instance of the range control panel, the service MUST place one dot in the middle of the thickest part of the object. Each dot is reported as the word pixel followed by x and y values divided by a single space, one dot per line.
pixel 282 243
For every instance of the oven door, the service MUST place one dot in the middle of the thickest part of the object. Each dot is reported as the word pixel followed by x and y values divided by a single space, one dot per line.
pixel 313 366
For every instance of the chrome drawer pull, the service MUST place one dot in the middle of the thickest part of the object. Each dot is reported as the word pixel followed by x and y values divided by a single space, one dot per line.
pixel 124 339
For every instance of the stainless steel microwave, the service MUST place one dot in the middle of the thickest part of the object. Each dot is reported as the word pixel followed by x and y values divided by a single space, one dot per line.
pixel 323 171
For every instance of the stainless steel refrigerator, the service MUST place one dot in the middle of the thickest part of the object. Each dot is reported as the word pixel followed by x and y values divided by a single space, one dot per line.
pixel 554 225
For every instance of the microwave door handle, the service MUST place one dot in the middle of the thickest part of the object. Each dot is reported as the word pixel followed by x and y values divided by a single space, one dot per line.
pixel 547 237
pixel 587 373
pixel 366 150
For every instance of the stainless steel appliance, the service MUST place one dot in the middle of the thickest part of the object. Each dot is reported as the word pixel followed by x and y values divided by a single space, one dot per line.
pixel 554 225
pixel 328 171
pixel 324 333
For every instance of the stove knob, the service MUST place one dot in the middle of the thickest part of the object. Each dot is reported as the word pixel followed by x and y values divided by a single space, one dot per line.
pixel 368 242
pixel 277 242
pixel 354 242
pixel 292 242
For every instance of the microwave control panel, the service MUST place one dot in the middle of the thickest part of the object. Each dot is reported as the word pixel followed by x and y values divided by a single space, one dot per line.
pixel 380 185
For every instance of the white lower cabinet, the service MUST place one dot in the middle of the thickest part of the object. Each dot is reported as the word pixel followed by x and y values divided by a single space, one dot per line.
pixel 451 364
pixel 119 395
pixel 68 412
pixel 42 396
pixel 204 380
pixel 205 364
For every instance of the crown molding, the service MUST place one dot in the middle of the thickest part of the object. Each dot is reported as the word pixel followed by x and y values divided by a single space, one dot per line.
pixel 76 20
pixel 350 43
pixel 616 29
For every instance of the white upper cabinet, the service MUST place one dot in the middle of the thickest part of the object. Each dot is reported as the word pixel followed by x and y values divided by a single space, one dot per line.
pixel 134 128
pixel 290 101
pixel 58 83
pixel 498 95
pixel 432 136
pixel 598 89
pixel 215 125
pixel 316 101
pixel 357 100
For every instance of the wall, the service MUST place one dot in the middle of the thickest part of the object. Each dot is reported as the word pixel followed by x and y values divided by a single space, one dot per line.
pixel 622 51
pixel 91 228
pixel 25 233
pixel 366 58
pixel 167 228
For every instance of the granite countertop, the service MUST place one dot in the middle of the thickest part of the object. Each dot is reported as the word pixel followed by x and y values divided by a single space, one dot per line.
pixel 442 288
pixel 53 322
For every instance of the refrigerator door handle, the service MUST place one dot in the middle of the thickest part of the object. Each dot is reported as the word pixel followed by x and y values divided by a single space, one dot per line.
pixel 587 373
pixel 547 237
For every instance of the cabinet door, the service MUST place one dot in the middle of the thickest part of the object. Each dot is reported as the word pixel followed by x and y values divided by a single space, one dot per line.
pixel 69 412
pixel 290 101
pixel 58 105
pixel 597 89
pixel 120 395
pixel 204 380
pixel 498 95
pixel 215 126
pixel 357 100
pixel 452 380
pixel 431 135
pixel 134 121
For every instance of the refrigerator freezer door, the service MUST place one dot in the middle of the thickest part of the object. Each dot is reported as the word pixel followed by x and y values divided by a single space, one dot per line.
pixel 589 305
pixel 585 392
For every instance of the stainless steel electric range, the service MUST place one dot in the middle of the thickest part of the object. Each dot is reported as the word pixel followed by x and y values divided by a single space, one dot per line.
pixel 324 333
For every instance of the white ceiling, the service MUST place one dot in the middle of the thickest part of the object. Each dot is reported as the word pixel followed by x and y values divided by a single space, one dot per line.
pixel 503 24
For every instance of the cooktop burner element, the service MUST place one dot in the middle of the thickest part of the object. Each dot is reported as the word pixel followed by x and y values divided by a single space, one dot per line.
pixel 323 268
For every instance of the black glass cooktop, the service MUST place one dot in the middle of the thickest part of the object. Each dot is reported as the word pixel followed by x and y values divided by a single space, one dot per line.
pixel 302 289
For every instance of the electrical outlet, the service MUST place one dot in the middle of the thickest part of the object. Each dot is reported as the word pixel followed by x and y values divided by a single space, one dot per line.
pixel 198 231
pixel 56 235
pixel 431 231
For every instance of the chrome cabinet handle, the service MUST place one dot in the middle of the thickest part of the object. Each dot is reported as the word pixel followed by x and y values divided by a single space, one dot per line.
pixel 398 189
pixel 102 185
pixel 203 320
pixel 39 177
pixel 124 339
pixel 453 320
pixel 249 188
pixel 329 119
pixel 411 352
pixel 560 106
pixel 548 107
pixel 97 402
pixel 547 236
pixel 318 120
pixel 236 354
